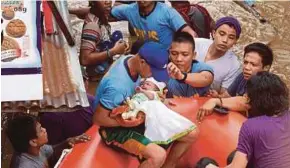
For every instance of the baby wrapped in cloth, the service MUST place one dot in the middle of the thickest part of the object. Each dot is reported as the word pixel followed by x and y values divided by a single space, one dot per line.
pixel 162 124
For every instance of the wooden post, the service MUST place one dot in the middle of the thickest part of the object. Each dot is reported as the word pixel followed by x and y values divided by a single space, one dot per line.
pixel 60 22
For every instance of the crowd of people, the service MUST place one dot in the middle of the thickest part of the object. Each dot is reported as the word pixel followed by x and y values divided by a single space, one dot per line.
pixel 190 54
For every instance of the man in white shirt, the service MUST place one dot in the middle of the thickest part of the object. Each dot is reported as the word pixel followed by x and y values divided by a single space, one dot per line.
pixel 216 53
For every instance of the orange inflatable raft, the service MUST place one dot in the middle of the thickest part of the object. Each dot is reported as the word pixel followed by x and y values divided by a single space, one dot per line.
pixel 217 139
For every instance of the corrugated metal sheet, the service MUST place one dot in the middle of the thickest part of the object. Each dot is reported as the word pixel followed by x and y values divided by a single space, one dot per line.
pixel 63 83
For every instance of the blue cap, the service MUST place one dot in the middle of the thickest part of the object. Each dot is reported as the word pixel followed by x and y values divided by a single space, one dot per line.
pixel 156 57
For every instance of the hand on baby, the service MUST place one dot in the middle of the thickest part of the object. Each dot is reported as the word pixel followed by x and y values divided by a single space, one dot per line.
pixel 131 122
pixel 119 110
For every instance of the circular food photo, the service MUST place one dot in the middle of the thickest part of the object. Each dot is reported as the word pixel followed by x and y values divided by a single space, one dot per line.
pixel 8 14
pixel 16 28
pixel 9 44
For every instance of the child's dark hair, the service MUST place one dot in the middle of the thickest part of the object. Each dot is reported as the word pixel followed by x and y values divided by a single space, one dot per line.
pixel 203 162
pixel 20 131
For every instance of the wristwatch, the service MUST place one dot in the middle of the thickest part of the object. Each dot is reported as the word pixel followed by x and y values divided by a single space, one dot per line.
pixel 183 79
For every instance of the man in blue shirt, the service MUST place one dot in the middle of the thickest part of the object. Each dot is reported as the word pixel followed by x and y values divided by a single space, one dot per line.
pixel 188 76
pixel 154 21
pixel 257 57
pixel 118 84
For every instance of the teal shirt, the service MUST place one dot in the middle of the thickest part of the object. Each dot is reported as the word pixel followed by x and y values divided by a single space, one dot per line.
pixel 185 90
pixel 115 86
pixel 158 26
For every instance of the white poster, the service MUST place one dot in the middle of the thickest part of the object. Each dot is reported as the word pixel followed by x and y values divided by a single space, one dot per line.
pixel 21 76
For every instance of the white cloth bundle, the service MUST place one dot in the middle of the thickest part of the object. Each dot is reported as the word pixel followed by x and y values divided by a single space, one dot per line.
pixel 162 124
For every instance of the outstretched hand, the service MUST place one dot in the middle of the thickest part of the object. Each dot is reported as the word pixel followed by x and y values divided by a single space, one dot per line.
pixel 174 72
pixel 78 139
pixel 206 109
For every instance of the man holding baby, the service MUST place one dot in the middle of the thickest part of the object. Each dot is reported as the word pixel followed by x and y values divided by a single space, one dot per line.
pixel 113 91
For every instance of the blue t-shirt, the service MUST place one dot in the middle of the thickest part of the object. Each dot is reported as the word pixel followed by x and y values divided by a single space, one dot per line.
pixel 25 160
pixel 238 87
pixel 185 90
pixel 158 26
pixel 115 86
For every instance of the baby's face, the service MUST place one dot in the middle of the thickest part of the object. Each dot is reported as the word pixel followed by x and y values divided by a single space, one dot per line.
pixel 146 85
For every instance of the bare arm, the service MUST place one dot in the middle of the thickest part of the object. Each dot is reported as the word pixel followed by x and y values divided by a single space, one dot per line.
pixel 237 103
pixel 201 79
pixel 89 57
pixel 102 118
pixel 189 31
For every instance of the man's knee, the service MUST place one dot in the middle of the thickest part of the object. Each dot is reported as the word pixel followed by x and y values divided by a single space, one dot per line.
pixel 156 154
pixel 194 134
pixel 191 137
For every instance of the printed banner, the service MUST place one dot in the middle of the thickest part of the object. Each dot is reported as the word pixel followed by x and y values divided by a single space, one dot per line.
pixel 20 51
